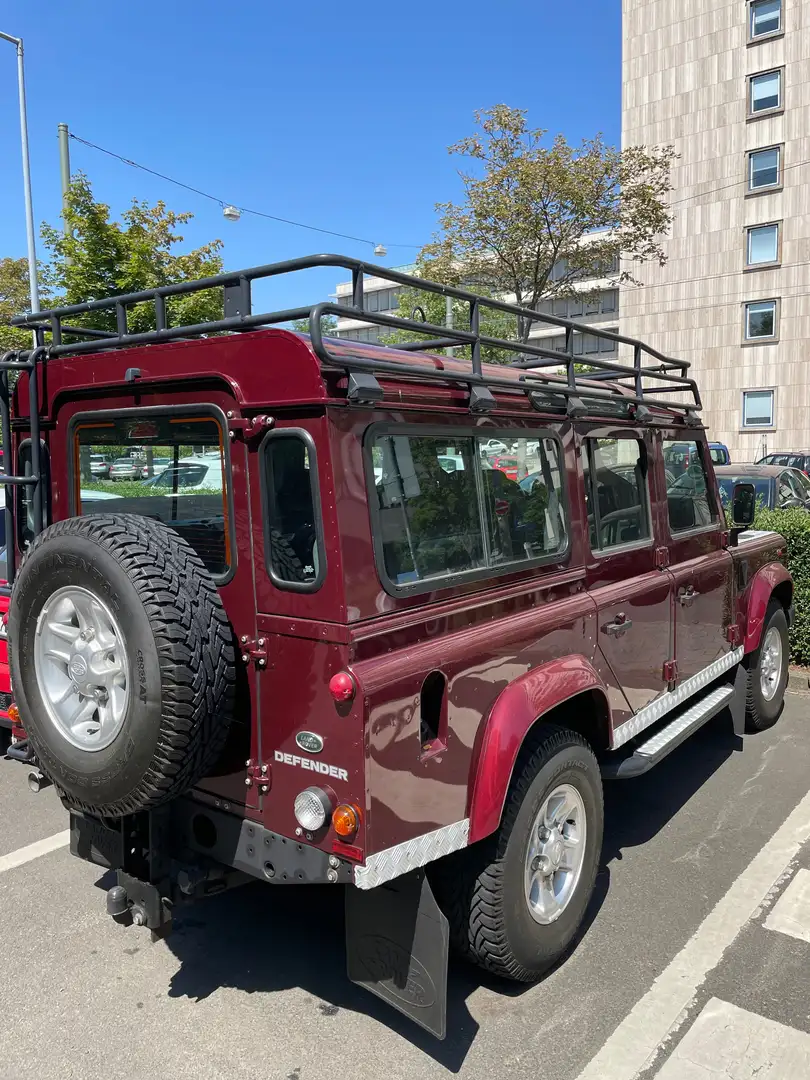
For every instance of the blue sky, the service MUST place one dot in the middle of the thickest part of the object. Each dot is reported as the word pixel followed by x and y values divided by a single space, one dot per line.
pixel 336 115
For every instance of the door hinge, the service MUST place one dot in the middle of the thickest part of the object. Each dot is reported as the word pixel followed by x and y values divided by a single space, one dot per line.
pixel 725 541
pixel 671 672
pixel 661 558
pixel 250 428
pixel 258 774
pixel 734 634
pixel 253 649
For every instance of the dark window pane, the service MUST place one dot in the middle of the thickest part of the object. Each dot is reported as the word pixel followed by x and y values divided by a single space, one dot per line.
pixel 609 301
pixel 291 479
pixel 615 492
pixel 155 459
pixel 760 319
pixel 690 506
pixel 523 502
pixel 764 168
pixel 766 17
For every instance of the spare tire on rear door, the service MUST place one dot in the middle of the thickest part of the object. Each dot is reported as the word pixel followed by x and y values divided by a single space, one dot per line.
pixel 122 662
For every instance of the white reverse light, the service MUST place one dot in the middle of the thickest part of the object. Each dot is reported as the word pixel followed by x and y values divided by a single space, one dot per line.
pixel 312 807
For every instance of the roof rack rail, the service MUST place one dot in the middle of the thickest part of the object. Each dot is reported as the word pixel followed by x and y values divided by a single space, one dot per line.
pixel 653 376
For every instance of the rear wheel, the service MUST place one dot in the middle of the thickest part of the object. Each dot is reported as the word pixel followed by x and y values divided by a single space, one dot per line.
pixel 515 901
pixel 767 669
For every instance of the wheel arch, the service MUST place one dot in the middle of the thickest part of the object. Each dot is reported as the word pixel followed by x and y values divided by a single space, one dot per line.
pixel 568 692
pixel 771 582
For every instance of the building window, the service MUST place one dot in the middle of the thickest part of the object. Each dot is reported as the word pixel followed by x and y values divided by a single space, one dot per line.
pixel 761 320
pixel 764 168
pixel 757 409
pixel 765 92
pixel 610 301
pixel 762 245
pixel 764 19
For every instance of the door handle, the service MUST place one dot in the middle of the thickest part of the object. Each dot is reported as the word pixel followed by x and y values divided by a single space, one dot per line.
pixel 618 627
pixel 686 597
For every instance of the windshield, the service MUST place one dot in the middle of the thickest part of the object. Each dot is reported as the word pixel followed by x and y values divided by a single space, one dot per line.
pixel 719 455
pixel 762 487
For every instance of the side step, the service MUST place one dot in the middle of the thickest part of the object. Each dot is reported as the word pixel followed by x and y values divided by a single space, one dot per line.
pixel 667 738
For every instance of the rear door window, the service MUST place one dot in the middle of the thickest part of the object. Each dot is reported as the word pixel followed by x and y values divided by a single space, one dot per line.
pixel 432 521
pixel 616 492
pixel 190 494
pixel 293 534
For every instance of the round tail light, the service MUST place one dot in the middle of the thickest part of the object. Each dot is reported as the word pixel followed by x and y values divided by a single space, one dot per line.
pixel 341 686
pixel 345 821
pixel 312 807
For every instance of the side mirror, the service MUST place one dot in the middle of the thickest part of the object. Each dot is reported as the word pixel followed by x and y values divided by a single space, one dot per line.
pixel 743 508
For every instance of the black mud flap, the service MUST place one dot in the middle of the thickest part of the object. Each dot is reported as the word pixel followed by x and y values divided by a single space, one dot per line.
pixel 397 944
pixel 95 842
pixel 737 703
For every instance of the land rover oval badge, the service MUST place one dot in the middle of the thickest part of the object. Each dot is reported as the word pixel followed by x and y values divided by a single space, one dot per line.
pixel 309 741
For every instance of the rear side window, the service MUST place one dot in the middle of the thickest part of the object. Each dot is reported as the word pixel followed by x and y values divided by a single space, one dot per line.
pixel 294 538
pixel 444 508
pixel 616 492
pixel 689 503
pixel 167 467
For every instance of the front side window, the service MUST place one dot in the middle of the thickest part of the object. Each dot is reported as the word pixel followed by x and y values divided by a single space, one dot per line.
pixel 167 467
pixel 762 245
pixel 294 542
pixel 757 410
pixel 764 167
pixel 765 92
pixel 616 492
pixel 444 507
pixel 688 502
pixel 765 18
pixel 760 320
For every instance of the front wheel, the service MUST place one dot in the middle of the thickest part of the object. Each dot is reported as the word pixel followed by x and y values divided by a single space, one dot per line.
pixel 767 669
pixel 516 900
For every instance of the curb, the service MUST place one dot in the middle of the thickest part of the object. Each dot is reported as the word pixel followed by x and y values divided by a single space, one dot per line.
pixel 798 681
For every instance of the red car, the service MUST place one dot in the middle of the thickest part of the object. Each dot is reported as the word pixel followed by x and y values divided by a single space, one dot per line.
pixel 341 663
pixel 508 465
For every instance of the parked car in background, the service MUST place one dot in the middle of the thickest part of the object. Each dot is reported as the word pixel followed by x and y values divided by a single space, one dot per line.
pixel 125 469
pixel 507 464
pixel 776 488
pixel 794 459
pixel 189 474
pixel 99 466
pixel 158 465
pixel 493 446
pixel 719 453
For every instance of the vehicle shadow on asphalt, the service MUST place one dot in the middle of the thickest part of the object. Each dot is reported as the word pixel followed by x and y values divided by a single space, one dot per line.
pixel 267 939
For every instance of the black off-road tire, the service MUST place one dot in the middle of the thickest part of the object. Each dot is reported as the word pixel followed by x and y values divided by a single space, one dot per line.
pixel 761 713
pixel 181 655
pixel 5 740
pixel 481 889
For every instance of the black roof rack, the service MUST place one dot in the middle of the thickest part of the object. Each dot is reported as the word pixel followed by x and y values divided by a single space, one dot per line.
pixel 651 373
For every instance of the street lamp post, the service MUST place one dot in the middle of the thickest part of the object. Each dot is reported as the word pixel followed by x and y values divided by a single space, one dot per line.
pixel 29 205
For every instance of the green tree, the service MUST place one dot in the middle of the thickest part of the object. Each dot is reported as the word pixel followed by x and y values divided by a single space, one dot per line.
pixel 328 325
pixel 15 300
pixel 537 218
pixel 97 257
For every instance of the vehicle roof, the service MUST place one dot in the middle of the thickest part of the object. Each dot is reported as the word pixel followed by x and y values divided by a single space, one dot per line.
pixel 773 453
pixel 751 470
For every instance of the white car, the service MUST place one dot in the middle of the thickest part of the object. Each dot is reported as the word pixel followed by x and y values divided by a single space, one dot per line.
pixel 190 474
pixel 494 446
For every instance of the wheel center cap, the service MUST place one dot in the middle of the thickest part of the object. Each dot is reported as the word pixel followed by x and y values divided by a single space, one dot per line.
pixel 556 853
pixel 78 668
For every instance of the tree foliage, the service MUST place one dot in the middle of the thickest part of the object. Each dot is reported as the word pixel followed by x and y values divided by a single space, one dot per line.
pixel 98 257
pixel 539 218
pixel 15 300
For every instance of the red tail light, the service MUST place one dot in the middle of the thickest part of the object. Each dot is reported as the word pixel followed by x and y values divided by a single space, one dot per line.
pixel 341 686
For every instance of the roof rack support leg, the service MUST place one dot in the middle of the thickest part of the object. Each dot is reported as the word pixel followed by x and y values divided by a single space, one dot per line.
pixel 160 311
pixel 475 328
pixel 37 504
pixel 358 299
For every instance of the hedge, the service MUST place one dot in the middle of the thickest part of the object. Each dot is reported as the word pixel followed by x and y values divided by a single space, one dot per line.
pixel 794 525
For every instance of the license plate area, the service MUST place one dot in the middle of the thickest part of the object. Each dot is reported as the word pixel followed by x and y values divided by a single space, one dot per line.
pixel 95 842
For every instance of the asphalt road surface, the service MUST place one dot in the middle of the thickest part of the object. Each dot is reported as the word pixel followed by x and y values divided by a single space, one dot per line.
pixel 694 963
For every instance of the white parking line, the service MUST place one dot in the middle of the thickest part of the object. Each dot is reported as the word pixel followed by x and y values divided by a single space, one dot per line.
pixel 791 912
pixel 728 1043
pixel 33 851
pixel 634 1044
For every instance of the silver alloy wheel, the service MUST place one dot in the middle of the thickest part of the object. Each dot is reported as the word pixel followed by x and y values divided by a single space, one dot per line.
pixel 770 663
pixel 81 667
pixel 555 854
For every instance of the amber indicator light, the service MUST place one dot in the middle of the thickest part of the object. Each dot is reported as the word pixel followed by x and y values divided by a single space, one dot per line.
pixel 345 820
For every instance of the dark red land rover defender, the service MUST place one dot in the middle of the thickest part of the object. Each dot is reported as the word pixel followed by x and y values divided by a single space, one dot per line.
pixel 315 636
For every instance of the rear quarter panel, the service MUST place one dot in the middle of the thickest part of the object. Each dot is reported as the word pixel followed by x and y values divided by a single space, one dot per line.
pixel 758 571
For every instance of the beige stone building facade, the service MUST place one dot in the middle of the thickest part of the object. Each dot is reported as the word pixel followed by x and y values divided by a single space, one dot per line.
pixel 727 82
